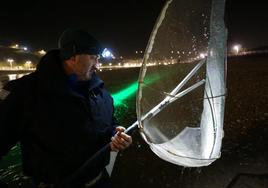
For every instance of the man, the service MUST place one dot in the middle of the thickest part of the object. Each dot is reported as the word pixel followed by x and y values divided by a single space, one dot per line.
pixel 62 115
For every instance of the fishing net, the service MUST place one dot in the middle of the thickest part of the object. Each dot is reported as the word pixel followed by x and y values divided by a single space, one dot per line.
pixel 180 103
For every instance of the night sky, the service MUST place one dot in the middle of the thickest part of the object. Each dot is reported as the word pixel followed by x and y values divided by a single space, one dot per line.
pixel 122 25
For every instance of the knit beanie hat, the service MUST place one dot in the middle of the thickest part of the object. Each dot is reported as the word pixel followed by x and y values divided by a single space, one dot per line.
pixel 76 41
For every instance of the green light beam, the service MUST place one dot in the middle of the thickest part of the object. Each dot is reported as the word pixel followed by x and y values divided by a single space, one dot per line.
pixel 129 91
pixel 123 94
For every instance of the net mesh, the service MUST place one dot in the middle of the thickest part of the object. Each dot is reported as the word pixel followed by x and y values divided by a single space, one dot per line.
pixel 174 86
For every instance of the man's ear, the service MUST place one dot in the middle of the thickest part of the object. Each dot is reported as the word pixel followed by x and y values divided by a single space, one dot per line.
pixel 70 60
pixel 73 58
pixel 69 64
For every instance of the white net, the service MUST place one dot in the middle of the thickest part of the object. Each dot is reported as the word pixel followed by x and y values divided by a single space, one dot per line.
pixel 180 103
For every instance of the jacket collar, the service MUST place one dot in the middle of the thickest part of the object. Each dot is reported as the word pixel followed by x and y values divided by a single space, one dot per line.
pixel 52 78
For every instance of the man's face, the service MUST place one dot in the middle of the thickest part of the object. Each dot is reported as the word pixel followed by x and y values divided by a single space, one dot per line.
pixel 84 66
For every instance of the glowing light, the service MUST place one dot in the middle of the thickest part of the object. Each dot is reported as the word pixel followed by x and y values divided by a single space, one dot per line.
pixel 107 53
pixel 12 76
pixel 10 60
pixel 42 52
pixel 15 46
pixel 28 64
pixel 202 55
pixel 25 48
pixel 237 48
pixel 131 89
pixel 122 95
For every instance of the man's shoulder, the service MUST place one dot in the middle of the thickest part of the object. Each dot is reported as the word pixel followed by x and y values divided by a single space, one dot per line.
pixel 20 83
pixel 18 88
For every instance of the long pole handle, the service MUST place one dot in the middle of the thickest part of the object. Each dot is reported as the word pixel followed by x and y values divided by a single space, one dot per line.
pixel 132 128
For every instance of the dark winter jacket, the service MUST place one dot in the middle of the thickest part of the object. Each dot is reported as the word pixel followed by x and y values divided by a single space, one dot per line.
pixel 59 123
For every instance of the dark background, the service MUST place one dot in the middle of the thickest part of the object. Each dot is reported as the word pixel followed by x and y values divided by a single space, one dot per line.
pixel 121 25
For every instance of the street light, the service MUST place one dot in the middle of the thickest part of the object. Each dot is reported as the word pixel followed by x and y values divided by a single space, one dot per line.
pixel 237 48
pixel 202 55
pixel 42 52
pixel 15 46
pixel 107 54
pixel 10 61
pixel 28 64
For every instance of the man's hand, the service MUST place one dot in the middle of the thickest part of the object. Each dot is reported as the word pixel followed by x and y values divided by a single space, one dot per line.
pixel 120 140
